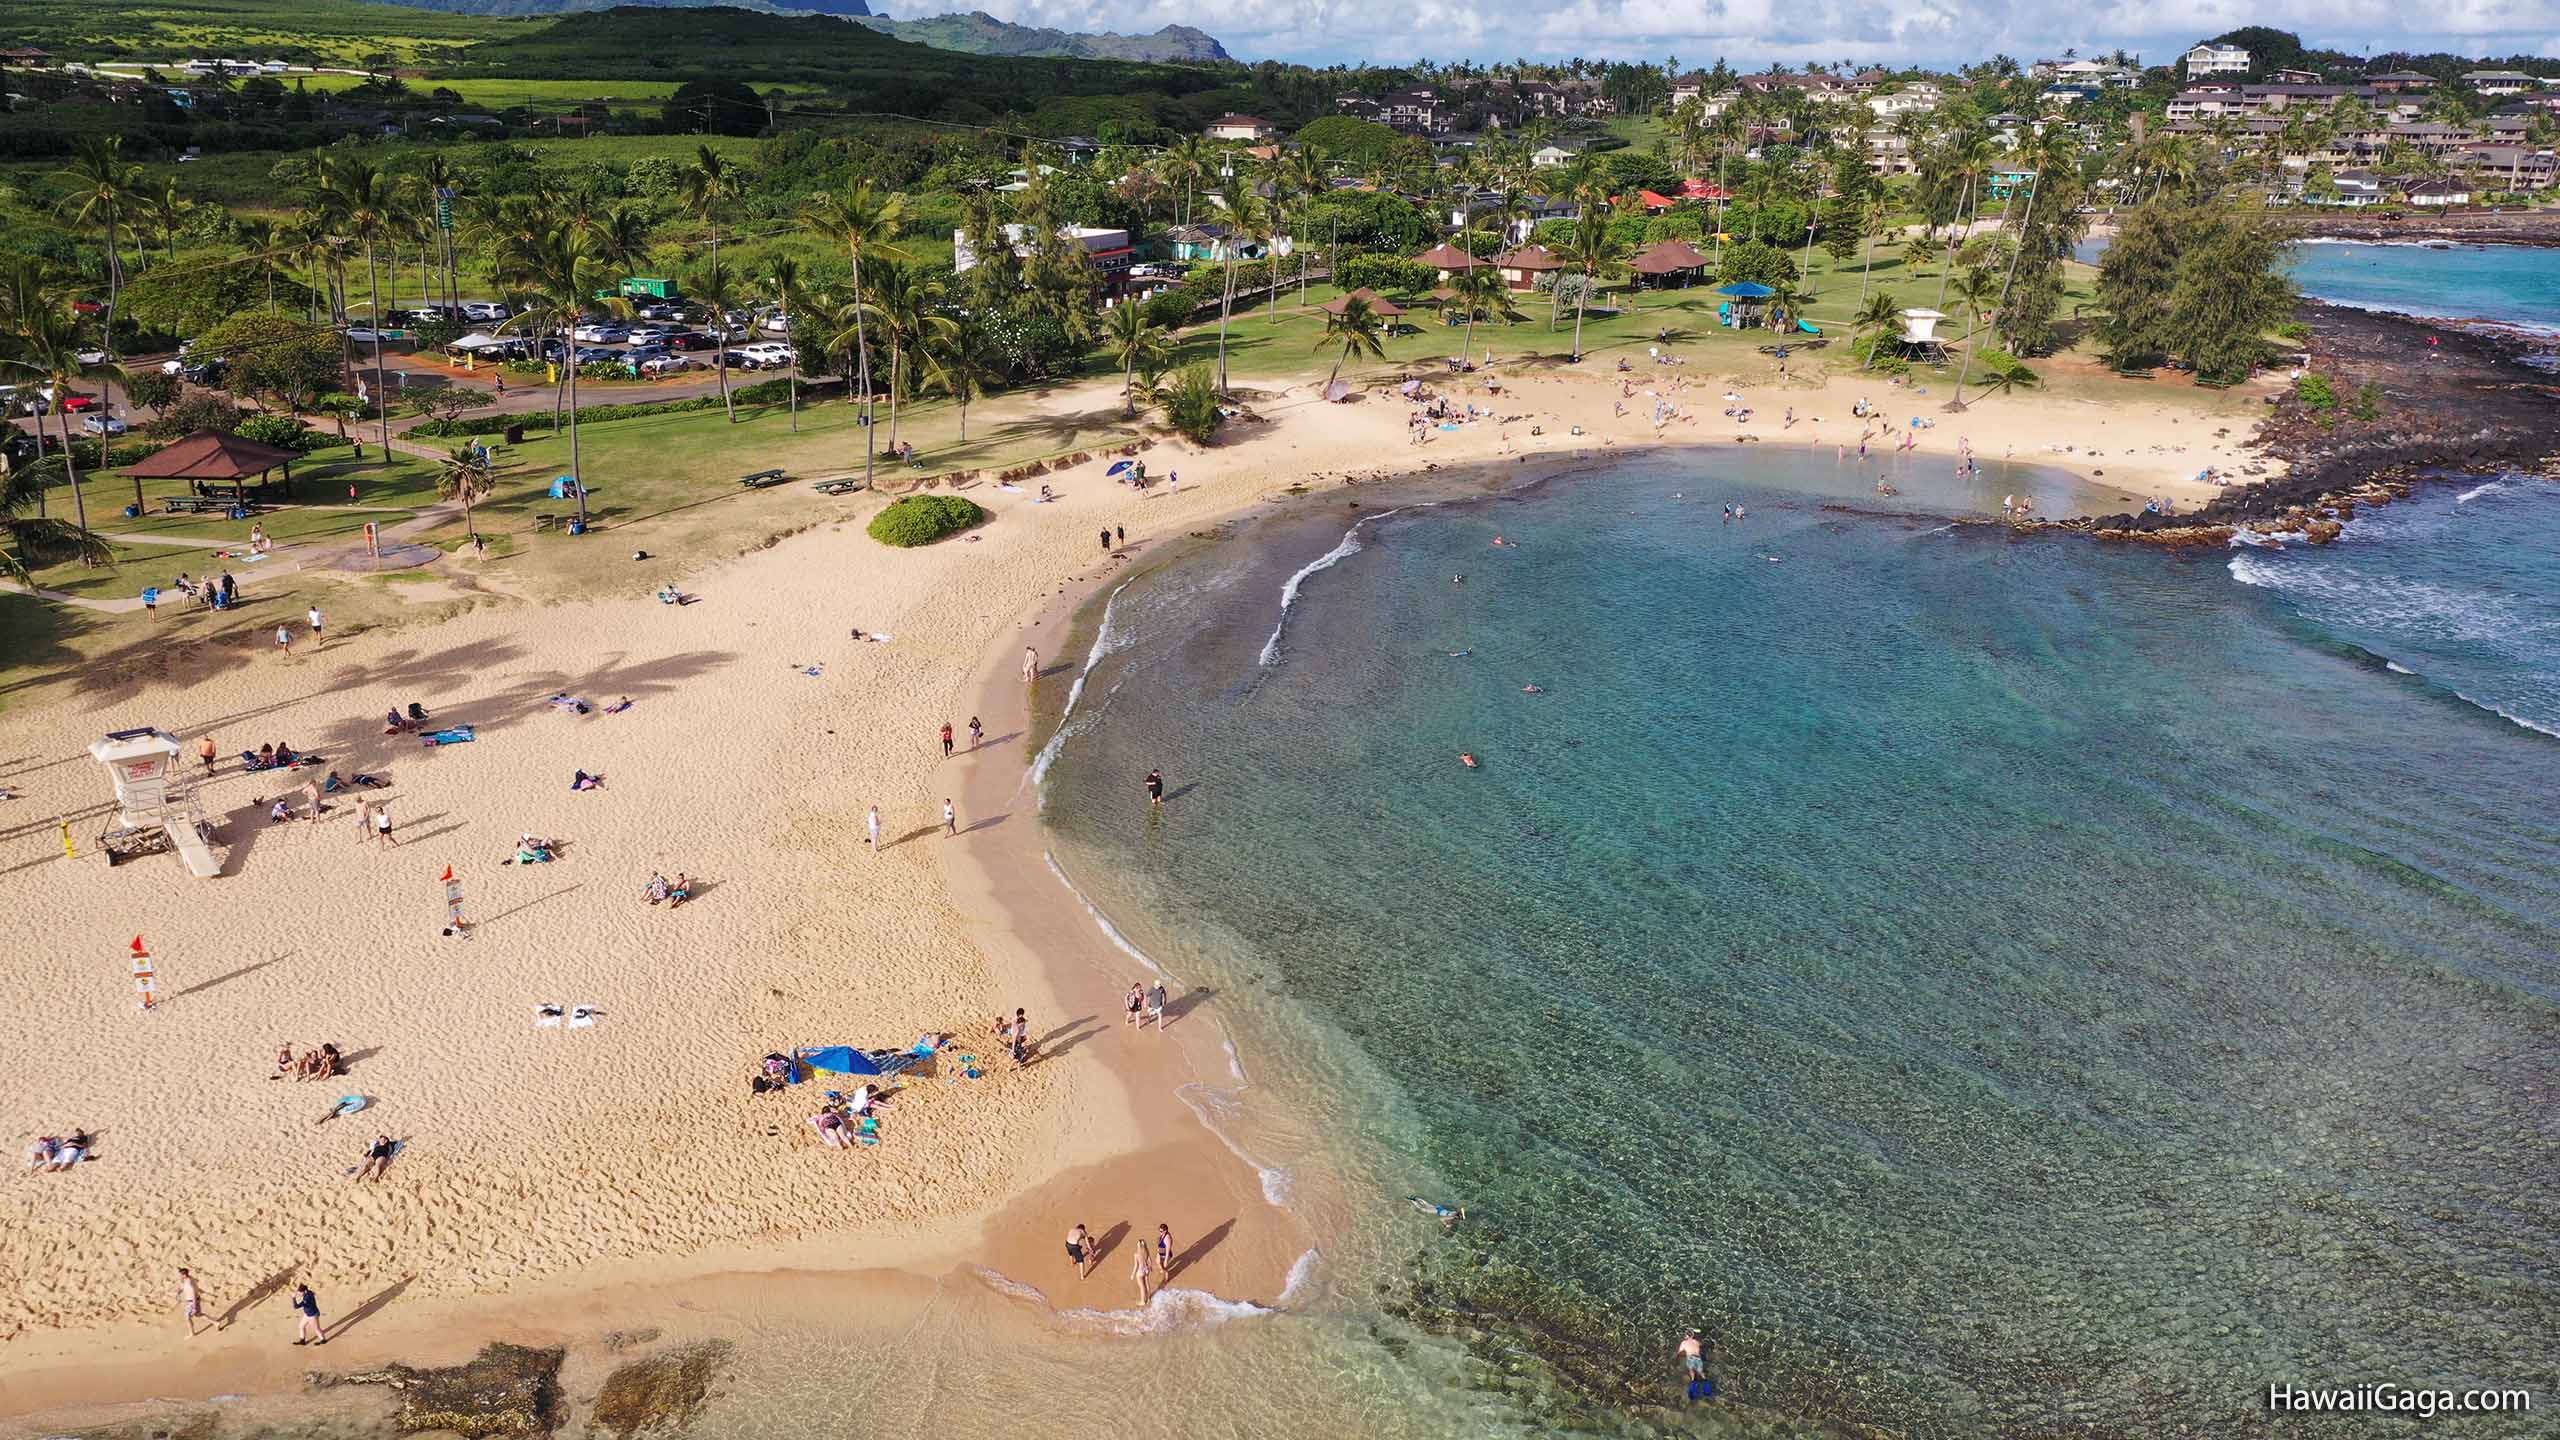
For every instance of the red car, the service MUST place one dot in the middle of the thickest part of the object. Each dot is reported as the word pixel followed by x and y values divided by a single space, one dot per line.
pixel 87 307
pixel 76 402
pixel 690 340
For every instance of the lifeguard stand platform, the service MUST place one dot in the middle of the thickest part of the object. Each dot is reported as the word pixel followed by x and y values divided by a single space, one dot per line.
pixel 156 808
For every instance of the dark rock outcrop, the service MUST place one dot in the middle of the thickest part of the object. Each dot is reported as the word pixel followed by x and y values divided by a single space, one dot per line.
pixel 504 1390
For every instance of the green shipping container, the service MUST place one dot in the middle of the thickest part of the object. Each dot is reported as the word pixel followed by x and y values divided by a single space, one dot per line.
pixel 635 287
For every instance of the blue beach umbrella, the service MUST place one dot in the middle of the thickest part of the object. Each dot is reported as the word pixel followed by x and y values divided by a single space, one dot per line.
pixel 1119 466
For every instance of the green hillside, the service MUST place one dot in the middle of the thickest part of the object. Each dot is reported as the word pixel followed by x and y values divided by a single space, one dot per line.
pixel 340 32
pixel 979 33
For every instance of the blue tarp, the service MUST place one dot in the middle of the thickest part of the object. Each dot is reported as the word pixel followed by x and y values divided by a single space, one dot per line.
pixel 840 1059
pixel 1746 290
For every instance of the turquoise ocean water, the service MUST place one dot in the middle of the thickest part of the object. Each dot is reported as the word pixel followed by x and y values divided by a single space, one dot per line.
pixel 1995 985
pixel 2511 284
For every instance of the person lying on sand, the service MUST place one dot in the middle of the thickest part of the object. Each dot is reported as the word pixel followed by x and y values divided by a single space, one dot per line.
pixel 832 1129
pixel 377 1158
pixel 618 706
pixel 584 781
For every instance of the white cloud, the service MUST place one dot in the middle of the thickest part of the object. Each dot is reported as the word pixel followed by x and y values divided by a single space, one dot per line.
pixel 1751 32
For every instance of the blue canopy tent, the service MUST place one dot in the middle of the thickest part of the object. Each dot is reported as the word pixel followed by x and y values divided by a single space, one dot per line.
pixel 840 1059
pixel 1748 297
pixel 1746 290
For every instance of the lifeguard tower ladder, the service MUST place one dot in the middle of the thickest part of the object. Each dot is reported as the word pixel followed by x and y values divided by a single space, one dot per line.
pixel 156 807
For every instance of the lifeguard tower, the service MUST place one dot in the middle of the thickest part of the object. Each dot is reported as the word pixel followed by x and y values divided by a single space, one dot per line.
pixel 156 808
pixel 1920 333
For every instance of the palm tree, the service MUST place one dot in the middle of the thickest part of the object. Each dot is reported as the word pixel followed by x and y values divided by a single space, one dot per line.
pixel 167 209
pixel 1306 170
pixel 1276 217
pixel 710 184
pixel 1186 162
pixel 780 280
pixel 259 237
pixel 959 365
pixel 34 538
pixel 102 183
pixel 1871 215
pixel 863 222
pixel 1594 251
pixel 1356 330
pixel 436 180
pixel 907 302
pixel 1481 288
pixel 1245 216
pixel 358 201
pixel 1978 289
pixel 719 288
pixel 47 348
pixel 1917 252
pixel 560 271
pixel 465 476
pixel 1131 341
pixel 1877 314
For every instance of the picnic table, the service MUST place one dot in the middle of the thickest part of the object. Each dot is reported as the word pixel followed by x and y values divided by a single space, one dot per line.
pixel 199 505
pixel 838 487
pixel 761 478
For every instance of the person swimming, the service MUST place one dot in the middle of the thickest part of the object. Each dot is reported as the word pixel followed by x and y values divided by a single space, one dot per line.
pixel 1467 759
pixel 1460 654
pixel 1447 1215
pixel 1533 690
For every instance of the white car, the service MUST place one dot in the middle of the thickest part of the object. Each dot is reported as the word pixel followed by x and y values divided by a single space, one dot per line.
pixel 665 364
pixel 601 332
pixel 101 425
pixel 93 357
pixel 483 310
pixel 763 355
pixel 775 325
pixel 367 335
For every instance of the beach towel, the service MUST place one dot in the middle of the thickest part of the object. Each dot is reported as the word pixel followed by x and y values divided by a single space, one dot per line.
pixel 452 735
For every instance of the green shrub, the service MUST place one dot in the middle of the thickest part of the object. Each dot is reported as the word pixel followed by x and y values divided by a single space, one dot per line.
pixel 286 433
pixel 923 519
pixel 2316 394
pixel 2294 330
pixel 541 419
pixel 2368 402
pixel 1192 405
pixel 777 391
pixel 1387 274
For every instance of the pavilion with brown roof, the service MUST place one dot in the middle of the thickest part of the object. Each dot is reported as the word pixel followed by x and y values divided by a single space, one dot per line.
pixel 1447 258
pixel 1379 305
pixel 216 457
pixel 1521 268
pixel 1667 258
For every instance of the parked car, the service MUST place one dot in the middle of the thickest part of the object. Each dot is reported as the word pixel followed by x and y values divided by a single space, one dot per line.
pixel 602 332
pixel 367 335
pixel 75 402
pixel 653 334
pixel 638 353
pixel 692 340
pixel 662 310
pixel 763 355
pixel 775 324
pixel 203 372
pixel 657 365
pixel 483 310
pixel 101 425
pixel 93 357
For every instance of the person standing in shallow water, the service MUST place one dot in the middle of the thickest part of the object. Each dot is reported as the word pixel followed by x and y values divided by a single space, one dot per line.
pixel 1155 787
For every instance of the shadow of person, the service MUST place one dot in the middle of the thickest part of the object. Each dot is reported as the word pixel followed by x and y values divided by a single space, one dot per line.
pixel 1109 1242
pixel 1183 1004
pixel 1198 1250
pixel 379 1299
pixel 263 1290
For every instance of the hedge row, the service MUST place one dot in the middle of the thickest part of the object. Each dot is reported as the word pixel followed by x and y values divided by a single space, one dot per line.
pixel 763 392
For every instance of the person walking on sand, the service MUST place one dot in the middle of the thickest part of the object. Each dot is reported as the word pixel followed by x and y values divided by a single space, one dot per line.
pixel 315 627
pixel 872 822
pixel 1143 1270
pixel 1155 787
pixel 946 739
pixel 307 1328
pixel 1137 1003
pixel 190 1300
pixel 1030 665
pixel 284 640
pixel 382 828
pixel 1164 1249
pixel 206 750
pixel 950 817
pixel 977 733
pixel 1106 539
pixel 1120 534
pixel 1155 1005
pixel 364 821
pixel 1081 1251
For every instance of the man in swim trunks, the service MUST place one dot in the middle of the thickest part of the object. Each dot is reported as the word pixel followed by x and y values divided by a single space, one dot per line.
pixel 1693 1356
pixel 1081 1251
pixel 1155 787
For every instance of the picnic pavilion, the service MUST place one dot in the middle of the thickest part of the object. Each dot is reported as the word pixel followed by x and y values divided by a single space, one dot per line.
pixel 211 458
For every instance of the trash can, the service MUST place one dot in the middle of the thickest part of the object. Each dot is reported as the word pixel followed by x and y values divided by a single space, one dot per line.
pixel 515 434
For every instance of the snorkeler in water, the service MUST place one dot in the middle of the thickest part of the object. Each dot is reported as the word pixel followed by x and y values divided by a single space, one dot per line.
pixel 1448 1216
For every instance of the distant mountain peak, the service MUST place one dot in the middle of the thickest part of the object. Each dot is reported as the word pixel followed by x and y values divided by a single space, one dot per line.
pixel 979 33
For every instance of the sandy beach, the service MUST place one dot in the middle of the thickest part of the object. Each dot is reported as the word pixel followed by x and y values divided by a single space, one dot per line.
pixel 541 1163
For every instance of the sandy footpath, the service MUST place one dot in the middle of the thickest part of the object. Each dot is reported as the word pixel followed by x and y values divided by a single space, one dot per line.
pixel 537 1154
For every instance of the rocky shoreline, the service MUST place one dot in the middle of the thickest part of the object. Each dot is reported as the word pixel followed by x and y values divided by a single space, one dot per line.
pixel 2452 401
pixel 2486 227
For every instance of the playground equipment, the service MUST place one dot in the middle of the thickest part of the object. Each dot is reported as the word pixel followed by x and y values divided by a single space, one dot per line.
pixel 156 808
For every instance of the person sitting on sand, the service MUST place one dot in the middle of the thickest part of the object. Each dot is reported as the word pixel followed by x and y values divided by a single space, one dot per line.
pixel 392 724
pixel 530 850
pixel 326 1063
pixel 377 1158
pixel 266 757
pixel 657 889
pixel 680 891
pixel 69 1151
pixel 281 810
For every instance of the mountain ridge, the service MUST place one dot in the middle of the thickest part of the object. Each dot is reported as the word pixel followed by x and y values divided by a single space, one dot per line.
pixel 969 32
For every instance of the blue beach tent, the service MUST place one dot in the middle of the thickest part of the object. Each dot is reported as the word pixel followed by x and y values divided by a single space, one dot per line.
pixel 839 1059
pixel 1746 290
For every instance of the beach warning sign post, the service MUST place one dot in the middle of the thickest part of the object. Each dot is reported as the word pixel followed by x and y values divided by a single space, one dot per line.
pixel 453 922
pixel 146 980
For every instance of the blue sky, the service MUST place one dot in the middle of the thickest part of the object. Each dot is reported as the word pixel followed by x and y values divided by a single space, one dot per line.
pixel 1749 32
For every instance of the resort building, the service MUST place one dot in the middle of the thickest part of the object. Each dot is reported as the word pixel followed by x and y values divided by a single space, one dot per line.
pixel 1251 129
pixel 2500 82
pixel 2216 60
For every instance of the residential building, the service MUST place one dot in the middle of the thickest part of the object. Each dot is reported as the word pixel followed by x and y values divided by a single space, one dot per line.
pixel 2500 82
pixel 2508 167
pixel 2392 82
pixel 1419 111
pixel 2005 183
pixel 2217 60
pixel 1918 95
pixel 1108 249
pixel 24 58
pixel 1548 157
pixel 1521 268
pixel 2293 77
pixel 1866 82
pixel 1252 129
pixel 2068 94
pixel 1215 243
pixel 2440 192
pixel 2348 189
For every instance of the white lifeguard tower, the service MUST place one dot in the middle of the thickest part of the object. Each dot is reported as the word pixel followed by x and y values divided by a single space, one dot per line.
pixel 1920 332
pixel 155 807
